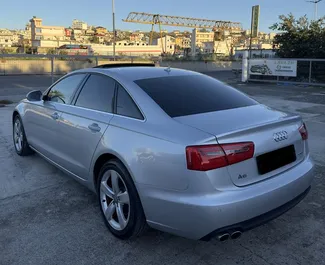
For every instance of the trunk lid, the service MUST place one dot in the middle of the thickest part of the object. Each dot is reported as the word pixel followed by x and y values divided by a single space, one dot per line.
pixel 278 143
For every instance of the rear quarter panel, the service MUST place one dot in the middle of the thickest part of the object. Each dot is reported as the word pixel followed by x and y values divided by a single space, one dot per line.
pixel 154 154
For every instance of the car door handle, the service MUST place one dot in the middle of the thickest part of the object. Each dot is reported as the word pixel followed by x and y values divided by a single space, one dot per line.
pixel 55 116
pixel 94 127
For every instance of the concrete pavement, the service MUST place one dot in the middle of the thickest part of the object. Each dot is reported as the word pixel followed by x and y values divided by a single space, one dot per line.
pixel 15 87
pixel 47 218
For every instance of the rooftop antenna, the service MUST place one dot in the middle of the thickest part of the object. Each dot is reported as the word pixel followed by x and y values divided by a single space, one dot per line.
pixel 167 69
pixel 315 2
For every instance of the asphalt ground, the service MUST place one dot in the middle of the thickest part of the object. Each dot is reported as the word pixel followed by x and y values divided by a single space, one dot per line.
pixel 48 218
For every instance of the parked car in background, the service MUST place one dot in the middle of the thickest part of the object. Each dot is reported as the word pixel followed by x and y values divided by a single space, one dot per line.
pixel 261 69
pixel 169 148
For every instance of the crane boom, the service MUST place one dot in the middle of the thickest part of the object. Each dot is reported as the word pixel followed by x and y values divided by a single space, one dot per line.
pixel 216 25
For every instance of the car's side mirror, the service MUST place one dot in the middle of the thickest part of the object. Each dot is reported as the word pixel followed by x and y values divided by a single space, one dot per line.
pixel 35 95
pixel 45 98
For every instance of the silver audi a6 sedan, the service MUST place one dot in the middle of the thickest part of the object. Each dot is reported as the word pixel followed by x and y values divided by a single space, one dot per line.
pixel 173 149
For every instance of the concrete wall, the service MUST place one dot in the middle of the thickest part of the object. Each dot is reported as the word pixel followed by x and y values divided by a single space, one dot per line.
pixel 43 66
pixel 128 50
pixel 9 67
pixel 202 66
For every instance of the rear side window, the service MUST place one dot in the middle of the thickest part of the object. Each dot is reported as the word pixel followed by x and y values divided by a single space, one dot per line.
pixel 125 105
pixel 97 93
pixel 193 94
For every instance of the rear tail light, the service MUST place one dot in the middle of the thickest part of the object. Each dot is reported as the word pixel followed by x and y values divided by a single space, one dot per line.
pixel 208 157
pixel 303 131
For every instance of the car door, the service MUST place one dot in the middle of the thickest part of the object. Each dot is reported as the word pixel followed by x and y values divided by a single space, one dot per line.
pixel 42 117
pixel 83 124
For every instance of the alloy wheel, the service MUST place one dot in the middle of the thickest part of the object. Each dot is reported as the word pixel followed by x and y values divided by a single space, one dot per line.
pixel 18 135
pixel 115 200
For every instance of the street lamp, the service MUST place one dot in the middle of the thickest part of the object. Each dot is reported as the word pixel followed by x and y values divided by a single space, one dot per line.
pixel 316 6
pixel 114 40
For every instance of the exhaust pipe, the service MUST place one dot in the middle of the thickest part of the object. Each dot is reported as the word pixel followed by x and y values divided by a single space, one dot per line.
pixel 235 235
pixel 223 237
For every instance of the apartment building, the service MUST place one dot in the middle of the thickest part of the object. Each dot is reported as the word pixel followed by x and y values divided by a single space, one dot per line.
pixel 220 48
pixel 136 37
pixel 77 24
pixel 176 32
pixel 126 50
pixel 46 36
pixel 202 37
pixel 272 35
pixel 130 43
pixel 100 30
pixel 82 38
pixel 183 42
pixel 24 38
pixel 7 38
pixel 77 35
pixel 166 43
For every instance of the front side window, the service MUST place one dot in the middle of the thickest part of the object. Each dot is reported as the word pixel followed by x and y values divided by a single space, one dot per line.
pixel 126 106
pixel 97 93
pixel 63 91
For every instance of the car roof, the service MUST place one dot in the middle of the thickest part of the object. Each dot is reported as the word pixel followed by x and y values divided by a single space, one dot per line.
pixel 139 72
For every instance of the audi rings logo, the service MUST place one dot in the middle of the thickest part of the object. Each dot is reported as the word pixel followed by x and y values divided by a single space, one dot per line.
pixel 280 136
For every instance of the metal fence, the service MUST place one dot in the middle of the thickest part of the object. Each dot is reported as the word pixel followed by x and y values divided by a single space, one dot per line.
pixel 309 72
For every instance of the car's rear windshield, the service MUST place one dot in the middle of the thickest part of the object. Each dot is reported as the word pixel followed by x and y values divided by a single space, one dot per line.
pixel 193 94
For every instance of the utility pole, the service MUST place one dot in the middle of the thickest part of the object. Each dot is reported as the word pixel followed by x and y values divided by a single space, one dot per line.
pixel 251 38
pixel 315 2
pixel 114 33
pixel 254 26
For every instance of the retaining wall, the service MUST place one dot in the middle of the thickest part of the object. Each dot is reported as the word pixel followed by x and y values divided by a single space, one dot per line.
pixel 44 66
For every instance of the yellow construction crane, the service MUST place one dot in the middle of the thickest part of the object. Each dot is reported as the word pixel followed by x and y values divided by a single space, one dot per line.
pixel 176 21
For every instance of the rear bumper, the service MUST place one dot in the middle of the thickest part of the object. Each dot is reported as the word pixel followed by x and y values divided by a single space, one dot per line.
pixel 259 220
pixel 201 216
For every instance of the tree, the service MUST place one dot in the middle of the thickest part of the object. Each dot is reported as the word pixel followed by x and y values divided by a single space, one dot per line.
pixel 61 52
pixel 51 51
pixel 155 35
pixel 94 39
pixel 27 49
pixel 8 50
pixel 203 30
pixel 300 38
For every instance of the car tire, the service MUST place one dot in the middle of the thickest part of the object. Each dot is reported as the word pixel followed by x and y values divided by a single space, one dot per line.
pixel 19 138
pixel 119 201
